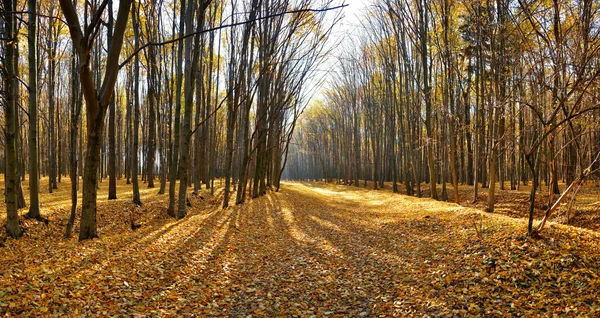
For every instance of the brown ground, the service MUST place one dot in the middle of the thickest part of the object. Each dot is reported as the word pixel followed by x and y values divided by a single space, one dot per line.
pixel 313 249
pixel 585 212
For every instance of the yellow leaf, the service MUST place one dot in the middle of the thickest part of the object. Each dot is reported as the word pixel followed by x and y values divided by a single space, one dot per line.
pixel 473 307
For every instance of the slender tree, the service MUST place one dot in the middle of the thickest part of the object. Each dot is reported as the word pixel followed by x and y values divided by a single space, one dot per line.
pixel 34 180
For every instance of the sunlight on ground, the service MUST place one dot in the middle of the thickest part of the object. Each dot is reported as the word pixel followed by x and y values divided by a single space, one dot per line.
pixel 327 224
pixel 303 237
pixel 311 249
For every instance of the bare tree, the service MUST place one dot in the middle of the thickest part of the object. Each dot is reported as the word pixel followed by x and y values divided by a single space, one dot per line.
pixel 96 100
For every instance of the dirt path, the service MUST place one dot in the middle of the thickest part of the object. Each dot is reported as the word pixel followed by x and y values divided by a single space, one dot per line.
pixel 312 249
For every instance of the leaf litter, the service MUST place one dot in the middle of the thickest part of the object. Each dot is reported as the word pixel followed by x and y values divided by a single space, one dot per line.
pixel 311 250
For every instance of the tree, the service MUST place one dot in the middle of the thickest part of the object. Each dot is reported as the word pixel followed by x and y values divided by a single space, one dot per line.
pixel 13 228
pixel 34 181
pixel 136 109
pixel 191 61
pixel 75 110
pixel 423 9
pixel 152 98
pixel 52 47
pixel 112 146
pixel 96 100
pixel 176 127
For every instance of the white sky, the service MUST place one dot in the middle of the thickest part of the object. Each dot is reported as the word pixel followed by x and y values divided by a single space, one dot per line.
pixel 343 37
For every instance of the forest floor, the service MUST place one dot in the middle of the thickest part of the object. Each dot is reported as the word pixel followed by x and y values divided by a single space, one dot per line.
pixel 585 211
pixel 313 249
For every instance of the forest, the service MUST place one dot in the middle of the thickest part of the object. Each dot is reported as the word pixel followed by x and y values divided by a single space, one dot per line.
pixel 306 158
pixel 168 89
pixel 439 94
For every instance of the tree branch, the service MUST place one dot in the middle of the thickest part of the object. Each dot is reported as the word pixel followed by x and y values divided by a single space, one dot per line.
pixel 114 52
pixel 128 59
pixel 73 22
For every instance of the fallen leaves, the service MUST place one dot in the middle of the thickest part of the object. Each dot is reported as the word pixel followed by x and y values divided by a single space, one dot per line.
pixel 312 250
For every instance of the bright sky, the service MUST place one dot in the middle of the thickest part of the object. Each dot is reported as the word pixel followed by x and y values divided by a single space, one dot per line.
pixel 351 21
pixel 343 37
pixel 354 9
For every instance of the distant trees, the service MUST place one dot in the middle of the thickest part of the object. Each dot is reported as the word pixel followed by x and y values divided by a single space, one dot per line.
pixel 482 92
pixel 288 46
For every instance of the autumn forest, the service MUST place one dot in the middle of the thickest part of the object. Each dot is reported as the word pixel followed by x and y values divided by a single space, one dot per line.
pixel 304 158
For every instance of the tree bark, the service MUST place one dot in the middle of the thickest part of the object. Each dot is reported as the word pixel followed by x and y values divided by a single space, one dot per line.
pixel 176 128
pixel 136 109
pixel 191 59
pixel 34 180
pixel 112 148
pixel 423 17
pixel 96 101
pixel 13 228
pixel 52 42
pixel 76 103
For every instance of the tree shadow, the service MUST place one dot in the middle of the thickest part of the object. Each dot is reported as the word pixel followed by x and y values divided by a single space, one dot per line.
pixel 303 251
pixel 415 264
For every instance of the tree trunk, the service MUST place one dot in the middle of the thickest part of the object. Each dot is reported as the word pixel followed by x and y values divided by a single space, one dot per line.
pixel 152 105
pixel 76 103
pixel 96 103
pixel 533 169
pixel 231 115
pixel 51 101
pixel 34 180
pixel 112 148
pixel 136 109
pixel 191 60
pixel 176 128
pixel 13 228
pixel 87 229
pixel 423 16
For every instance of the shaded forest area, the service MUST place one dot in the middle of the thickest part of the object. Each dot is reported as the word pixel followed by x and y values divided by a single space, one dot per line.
pixel 165 94
pixel 439 96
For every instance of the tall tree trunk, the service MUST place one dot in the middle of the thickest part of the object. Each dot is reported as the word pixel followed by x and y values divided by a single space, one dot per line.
pixel 231 115
pixel 52 42
pixel 244 78
pixel 76 104
pixel 191 61
pixel 136 108
pixel 392 141
pixel 75 112
pixel 423 17
pixel 175 144
pixel 205 132
pixel 151 130
pixel 34 180
pixel 112 155
pixel 13 228
pixel 152 100
pixel 96 102
pixel 356 141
